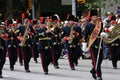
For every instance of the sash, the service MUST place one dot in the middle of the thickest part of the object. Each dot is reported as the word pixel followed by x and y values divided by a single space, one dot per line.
pixel 94 34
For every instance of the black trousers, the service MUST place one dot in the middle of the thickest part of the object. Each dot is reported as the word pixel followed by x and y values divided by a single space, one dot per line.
pixel 71 57
pixel 27 54
pixel 12 53
pixel 77 53
pixel 35 52
pixel 115 54
pixel 20 55
pixel 2 59
pixel 46 59
pixel 94 54
pixel 56 49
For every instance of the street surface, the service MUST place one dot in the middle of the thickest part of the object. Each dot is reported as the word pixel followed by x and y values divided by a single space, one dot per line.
pixel 64 73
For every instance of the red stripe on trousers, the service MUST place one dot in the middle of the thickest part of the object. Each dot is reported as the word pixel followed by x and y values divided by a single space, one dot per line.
pixel 69 59
pixel 41 61
pixel 93 60
pixel 53 59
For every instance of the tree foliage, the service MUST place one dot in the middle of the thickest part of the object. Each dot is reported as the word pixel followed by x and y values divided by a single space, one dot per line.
pixel 90 4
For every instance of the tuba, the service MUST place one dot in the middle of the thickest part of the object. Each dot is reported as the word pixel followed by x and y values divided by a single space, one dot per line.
pixel 114 35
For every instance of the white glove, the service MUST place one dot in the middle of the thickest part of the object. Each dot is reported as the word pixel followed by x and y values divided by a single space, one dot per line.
pixel 104 35
pixel 111 28
pixel 84 46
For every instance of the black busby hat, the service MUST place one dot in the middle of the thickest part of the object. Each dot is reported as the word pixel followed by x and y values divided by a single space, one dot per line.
pixel 19 20
pixel 34 21
pixel 113 17
pixel 26 15
pixel 10 22
pixel 54 18
pixel 93 12
pixel 70 17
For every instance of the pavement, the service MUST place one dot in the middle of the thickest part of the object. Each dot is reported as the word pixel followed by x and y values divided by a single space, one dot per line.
pixel 64 73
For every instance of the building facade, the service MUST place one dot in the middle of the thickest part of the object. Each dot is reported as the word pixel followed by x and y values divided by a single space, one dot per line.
pixel 14 8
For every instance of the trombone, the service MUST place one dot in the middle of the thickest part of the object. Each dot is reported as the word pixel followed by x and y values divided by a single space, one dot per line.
pixel 51 27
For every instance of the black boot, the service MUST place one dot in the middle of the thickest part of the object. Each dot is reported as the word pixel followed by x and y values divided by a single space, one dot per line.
pixel 93 74
pixel 27 70
pixel 56 66
pixel 99 78
pixel 1 76
pixel 46 72
pixel 72 68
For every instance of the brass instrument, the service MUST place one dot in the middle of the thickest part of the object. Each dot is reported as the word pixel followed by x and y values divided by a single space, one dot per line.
pixel 25 36
pixel 47 38
pixel 14 29
pixel 2 31
pixel 51 27
pixel 112 36
pixel 71 35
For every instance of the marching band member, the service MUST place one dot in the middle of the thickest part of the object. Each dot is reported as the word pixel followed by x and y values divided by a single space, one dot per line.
pixel 114 47
pixel 56 44
pixel 35 41
pixel 2 49
pixel 72 36
pixel 25 43
pixel 12 46
pixel 74 48
pixel 93 29
pixel 44 46
pixel 77 32
pixel 19 27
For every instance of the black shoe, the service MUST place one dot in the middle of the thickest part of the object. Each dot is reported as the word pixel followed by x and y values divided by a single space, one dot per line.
pixel 93 74
pixel 12 69
pixel 21 64
pixel 115 67
pixel 45 72
pixel 27 71
pixel 76 64
pixel 56 67
pixel 36 61
pixel 1 76
pixel 99 78
pixel 72 68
